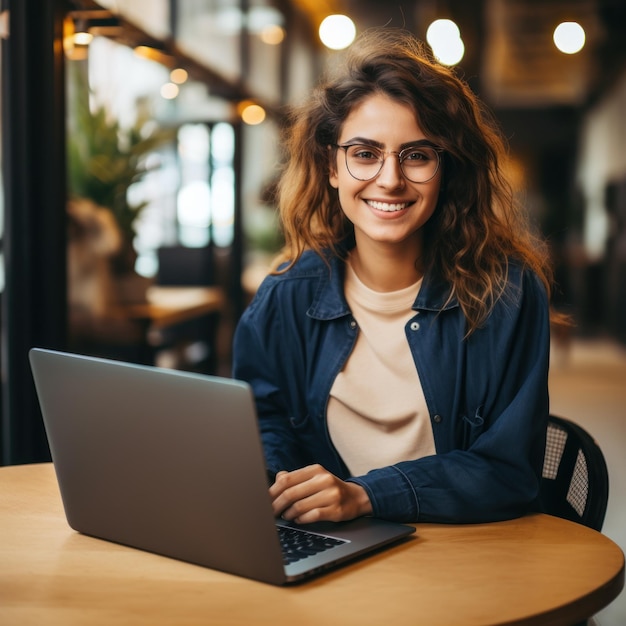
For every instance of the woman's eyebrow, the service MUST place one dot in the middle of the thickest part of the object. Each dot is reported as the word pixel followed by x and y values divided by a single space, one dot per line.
pixel 364 141
pixel 377 144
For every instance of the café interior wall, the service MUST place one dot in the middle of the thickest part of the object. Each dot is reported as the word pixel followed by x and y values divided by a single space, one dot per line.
pixel 602 160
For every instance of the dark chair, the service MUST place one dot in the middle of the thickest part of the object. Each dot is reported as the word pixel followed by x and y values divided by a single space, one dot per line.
pixel 192 344
pixel 575 481
pixel 180 265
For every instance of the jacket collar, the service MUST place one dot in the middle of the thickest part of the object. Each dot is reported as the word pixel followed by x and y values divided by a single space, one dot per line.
pixel 329 301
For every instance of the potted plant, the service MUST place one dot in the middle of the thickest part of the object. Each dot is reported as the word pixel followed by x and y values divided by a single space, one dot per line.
pixel 104 160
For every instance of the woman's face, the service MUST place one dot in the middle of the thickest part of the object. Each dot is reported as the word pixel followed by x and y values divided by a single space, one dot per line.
pixel 388 209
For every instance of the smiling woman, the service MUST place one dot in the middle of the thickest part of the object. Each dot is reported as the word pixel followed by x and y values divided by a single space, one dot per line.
pixel 408 278
pixel 385 207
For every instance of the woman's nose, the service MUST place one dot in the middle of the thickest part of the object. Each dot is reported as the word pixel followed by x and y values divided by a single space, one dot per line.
pixel 390 175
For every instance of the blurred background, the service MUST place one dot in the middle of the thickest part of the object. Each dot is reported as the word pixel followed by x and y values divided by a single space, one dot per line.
pixel 140 145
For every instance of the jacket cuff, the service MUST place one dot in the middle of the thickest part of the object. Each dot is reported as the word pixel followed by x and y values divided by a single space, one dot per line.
pixel 391 494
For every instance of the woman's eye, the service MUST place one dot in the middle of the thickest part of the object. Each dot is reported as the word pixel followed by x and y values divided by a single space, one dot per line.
pixel 366 155
pixel 416 155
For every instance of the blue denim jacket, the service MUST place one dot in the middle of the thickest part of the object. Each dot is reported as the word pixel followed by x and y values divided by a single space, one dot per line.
pixel 487 395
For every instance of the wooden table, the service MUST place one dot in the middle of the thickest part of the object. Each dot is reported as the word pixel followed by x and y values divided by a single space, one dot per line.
pixel 167 306
pixel 135 331
pixel 535 570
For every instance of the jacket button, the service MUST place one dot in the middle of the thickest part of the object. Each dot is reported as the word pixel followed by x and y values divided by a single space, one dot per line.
pixel 437 419
pixel 352 324
pixel 415 326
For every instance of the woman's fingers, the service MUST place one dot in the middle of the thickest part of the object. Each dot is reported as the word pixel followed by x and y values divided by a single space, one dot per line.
pixel 312 494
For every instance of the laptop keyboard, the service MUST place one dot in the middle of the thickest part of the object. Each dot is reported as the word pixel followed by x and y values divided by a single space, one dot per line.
pixel 298 544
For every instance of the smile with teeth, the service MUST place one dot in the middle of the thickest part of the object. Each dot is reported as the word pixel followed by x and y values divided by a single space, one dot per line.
pixel 389 207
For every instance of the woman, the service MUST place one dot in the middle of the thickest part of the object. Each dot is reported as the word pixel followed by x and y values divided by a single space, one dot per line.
pixel 399 355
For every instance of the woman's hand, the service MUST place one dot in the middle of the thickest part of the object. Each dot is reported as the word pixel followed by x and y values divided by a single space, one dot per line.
pixel 312 494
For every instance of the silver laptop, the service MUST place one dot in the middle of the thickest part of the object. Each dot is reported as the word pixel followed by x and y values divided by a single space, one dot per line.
pixel 172 463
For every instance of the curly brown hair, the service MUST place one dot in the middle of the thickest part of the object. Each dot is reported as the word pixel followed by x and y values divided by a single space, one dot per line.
pixel 477 228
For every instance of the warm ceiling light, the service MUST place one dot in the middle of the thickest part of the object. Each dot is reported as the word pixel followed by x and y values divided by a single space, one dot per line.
pixel 169 91
pixel 75 40
pixel 444 37
pixel 251 113
pixel 272 34
pixel 450 52
pixel 337 32
pixel 569 37
pixel 440 30
pixel 179 76
pixel 82 38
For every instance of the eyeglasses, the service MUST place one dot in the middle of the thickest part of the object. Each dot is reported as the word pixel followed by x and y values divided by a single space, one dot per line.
pixel 419 163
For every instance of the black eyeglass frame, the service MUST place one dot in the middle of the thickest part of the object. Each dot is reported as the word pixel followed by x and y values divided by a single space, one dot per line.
pixel 425 144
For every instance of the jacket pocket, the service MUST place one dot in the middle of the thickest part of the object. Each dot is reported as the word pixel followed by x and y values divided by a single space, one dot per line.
pixel 473 427
pixel 300 422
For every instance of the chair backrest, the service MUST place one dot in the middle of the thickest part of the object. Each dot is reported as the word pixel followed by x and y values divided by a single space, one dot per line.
pixel 575 481
pixel 180 265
